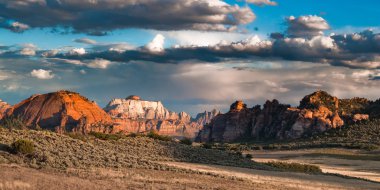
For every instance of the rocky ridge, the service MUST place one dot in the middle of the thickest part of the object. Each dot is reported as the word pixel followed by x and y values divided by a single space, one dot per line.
pixel 134 115
pixel 316 113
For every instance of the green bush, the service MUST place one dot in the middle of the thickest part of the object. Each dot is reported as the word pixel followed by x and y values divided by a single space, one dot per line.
pixel 207 145
pixel 13 123
pixel 133 135
pixel 155 135
pixel 104 136
pixel 77 136
pixel 23 146
pixel 249 156
pixel 295 167
pixel 186 141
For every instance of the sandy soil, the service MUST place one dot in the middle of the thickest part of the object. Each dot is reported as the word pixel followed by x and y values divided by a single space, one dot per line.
pixel 367 169
pixel 14 177
pixel 217 177
pixel 283 180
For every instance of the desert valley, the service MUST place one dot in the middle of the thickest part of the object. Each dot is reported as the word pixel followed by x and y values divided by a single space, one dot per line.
pixel 325 142
pixel 189 94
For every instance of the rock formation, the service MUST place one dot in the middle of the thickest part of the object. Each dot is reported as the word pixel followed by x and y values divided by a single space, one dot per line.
pixel 4 107
pixel 62 111
pixel 135 108
pixel 206 117
pixel 133 115
pixel 316 113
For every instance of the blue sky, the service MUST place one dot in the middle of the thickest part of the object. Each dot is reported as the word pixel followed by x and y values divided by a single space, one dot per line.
pixel 177 56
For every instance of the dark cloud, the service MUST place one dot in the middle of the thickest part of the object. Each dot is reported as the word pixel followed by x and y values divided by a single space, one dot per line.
pixel 100 16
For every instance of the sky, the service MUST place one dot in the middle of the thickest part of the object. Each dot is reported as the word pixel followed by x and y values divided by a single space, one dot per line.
pixel 193 55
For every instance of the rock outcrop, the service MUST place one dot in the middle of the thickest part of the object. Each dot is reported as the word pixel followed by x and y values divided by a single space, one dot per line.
pixel 206 117
pixel 316 113
pixel 62 111
pixel 133 115
pixel 135 108
pixel 4 108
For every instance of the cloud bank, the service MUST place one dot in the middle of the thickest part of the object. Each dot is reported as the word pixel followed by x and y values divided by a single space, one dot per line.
pixel 97 17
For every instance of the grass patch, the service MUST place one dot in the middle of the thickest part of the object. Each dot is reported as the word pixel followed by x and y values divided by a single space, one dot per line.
pixel 346 156
pixel 295 167
pixel 104 136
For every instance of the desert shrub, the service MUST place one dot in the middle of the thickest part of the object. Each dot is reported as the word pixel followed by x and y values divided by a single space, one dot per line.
pixel 22 146
pixel 104 136
pixel 295 167
pixel 249 156
pixel 207 145
pixel 155 135
pixel 13 123
pixel 77 136
pixel 186 141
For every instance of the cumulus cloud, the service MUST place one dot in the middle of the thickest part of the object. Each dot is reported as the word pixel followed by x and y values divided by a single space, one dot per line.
pixel 77 51
pixel 28 50
pixel 156 45
pixel 306 26
pixel 350 50
pixel 117 14
pixel 262 2
pixel 42 74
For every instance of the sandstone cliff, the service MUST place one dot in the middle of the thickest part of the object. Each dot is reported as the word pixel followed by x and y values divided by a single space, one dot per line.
pixel 316 113
pixel 61 111
pixel 133 115
pixel 4 107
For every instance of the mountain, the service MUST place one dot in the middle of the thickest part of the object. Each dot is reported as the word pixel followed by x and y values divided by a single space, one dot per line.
pixel 61 111
pixel 316 113
pixel 133 107
pixel 134 115
pixel 4 107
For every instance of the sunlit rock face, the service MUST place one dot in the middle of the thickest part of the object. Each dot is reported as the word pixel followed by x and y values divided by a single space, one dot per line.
pixel 62 111
pixel 317 113
pixel 134 115
pixel 135 108
pixel 4 107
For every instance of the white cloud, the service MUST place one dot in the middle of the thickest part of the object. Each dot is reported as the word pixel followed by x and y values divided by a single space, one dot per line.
pixel 42 74
pixel 28 50
pixel 262 2
pixel 86 41
pixel 306 26
pixel 18 27
pixel 99 64
pixel 197 38
pixel 82 71
pixel 156 45
pixel 77 51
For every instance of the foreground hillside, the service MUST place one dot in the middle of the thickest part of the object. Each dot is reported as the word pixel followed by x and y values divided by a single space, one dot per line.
pixel 61 151
pixel 85 162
